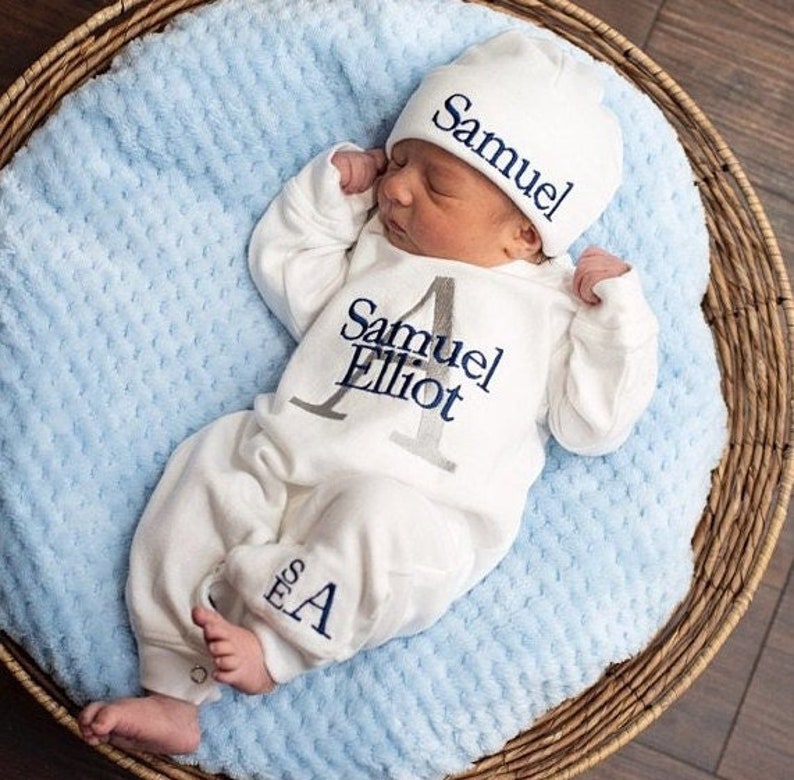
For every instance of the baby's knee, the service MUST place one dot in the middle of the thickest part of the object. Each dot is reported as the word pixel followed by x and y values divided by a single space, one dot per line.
pixel 397 522
pixel 365 503
pixel 372 493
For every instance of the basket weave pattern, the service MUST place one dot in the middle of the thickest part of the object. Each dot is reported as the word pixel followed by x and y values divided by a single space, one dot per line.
pixel 749 310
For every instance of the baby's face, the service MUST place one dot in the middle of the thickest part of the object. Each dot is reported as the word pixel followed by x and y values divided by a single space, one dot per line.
pixel 432 203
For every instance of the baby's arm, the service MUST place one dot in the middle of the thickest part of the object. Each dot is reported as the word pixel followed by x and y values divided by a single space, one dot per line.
pixel 358 170
pixel 298 254
pixel 604 374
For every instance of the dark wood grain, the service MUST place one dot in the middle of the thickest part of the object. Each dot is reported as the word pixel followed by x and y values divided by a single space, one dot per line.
pixel 696 731
pixel 643 763
pixel 30 27
pixel 33 746
pixel 760 746
pixel 736 59
pixel 635 20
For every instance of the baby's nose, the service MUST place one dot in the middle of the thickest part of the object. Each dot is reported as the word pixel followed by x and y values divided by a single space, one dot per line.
pixel 396 186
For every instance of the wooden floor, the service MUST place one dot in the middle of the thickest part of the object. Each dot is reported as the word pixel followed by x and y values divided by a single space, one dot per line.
pixel 736 59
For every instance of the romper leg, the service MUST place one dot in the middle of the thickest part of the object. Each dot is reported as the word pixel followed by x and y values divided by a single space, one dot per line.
pixel 206 502
pixel 366 559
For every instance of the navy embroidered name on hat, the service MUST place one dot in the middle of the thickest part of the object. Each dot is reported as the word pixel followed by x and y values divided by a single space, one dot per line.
pixel 529 117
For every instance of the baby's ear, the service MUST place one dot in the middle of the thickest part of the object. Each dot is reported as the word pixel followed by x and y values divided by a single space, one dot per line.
pixel 526 240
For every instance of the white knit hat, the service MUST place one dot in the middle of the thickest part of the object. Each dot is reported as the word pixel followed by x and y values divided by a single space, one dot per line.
pixel 529 117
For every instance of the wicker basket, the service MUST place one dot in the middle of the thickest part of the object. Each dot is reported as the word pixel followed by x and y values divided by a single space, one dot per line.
pixel 748 307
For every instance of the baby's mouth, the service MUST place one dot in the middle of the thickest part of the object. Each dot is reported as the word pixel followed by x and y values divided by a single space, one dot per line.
pixel 395 228
pixel 392 228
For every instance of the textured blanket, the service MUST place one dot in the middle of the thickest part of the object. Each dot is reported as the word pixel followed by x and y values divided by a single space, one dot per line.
pixel 128 320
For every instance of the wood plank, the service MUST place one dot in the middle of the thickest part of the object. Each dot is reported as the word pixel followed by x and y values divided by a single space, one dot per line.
pixel 783 556
pixel 33 746
pixel 735 59
pixel 32 27
pixel 632 18
pixel 696 728
pixel 761 745
pixel 637 762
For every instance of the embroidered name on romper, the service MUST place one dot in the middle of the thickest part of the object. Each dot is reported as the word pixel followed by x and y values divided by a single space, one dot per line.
pixel 395 359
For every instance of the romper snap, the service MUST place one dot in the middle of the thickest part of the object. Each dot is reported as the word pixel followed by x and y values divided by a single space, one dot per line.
pixel 198 674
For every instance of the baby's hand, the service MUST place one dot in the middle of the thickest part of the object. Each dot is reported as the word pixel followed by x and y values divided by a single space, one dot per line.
pixel 358 170
pixel 594 266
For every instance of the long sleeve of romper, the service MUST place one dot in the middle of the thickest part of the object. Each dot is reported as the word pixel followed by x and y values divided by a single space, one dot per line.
pixel 605 374
pixel 298 254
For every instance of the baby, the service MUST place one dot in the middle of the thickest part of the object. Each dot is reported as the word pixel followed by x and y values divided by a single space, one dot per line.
pixel 440 343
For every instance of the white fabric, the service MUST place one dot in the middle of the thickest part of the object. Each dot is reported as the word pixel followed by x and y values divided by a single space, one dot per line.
pixel 388 472
pixel 529 117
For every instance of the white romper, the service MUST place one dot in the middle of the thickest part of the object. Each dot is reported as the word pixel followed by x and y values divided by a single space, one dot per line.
pixel 388 472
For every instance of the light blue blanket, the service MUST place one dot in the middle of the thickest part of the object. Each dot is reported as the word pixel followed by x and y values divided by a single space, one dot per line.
pixel 129 320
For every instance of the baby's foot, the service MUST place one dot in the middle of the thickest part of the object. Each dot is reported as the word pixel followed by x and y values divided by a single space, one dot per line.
pixel 238 656
pixel 155 723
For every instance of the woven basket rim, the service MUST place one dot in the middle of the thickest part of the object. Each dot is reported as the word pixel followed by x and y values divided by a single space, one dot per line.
pixel 582 731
